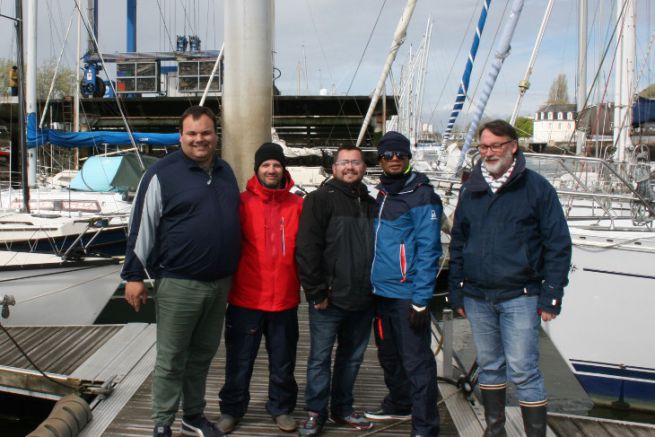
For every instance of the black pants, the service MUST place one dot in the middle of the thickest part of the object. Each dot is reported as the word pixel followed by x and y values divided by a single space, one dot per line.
pixel 243 334
pixel 410 370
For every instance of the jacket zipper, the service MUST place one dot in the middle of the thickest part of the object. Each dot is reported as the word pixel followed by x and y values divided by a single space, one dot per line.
pixel 284 243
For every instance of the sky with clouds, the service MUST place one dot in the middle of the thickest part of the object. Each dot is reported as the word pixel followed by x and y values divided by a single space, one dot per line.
pixel 326 40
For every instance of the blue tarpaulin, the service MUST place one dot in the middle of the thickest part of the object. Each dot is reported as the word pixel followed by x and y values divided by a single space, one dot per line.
pixel 97 173
pixel 643 111
pixel 39 137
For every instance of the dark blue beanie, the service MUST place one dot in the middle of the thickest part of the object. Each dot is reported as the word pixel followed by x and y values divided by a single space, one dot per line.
pixel 394 142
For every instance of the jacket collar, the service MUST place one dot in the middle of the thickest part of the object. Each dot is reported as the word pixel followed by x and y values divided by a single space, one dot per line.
pixel 476 181
pixel 190 163
pixel 415 180
pixel 267 194
pixel 352 190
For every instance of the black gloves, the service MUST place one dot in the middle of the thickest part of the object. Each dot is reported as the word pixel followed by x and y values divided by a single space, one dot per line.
pixel 419 318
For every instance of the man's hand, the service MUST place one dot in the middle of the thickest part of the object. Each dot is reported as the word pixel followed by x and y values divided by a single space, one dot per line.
pixel 136 294
pixel 321 305
pixel 547 317
pixel 419 318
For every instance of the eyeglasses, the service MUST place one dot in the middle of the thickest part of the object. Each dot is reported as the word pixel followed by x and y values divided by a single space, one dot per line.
pixel 493 147
pixel 388 155
pixel 345 162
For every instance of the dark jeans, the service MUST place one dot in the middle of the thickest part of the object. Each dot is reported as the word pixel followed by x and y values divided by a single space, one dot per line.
pixel 243 334
pixel 352 331
pixel 410 370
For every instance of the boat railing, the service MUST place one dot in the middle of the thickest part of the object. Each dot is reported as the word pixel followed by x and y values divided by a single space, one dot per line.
pixel 597 191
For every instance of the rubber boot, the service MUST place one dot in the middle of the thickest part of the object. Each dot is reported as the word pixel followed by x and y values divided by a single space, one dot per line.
pixel 535 420
pixel 494 412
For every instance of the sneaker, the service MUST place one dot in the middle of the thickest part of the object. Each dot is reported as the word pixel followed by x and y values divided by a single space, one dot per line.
pixel 380 415
pixel 199 426
pixel 285 422
pixel 312 426
pixel 162 431
pixel 227 423
pixel 355 420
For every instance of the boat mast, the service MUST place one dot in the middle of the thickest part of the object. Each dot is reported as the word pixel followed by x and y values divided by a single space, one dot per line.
pixel 581 95
pixel 18 23
pixel 464 85
pixel 524 84
pixel 30 86
pixel 502 51
pixel 398 39
pixel 624 79
pixel 248 82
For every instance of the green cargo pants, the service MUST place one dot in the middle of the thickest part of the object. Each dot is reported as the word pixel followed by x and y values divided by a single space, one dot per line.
pixel 189 325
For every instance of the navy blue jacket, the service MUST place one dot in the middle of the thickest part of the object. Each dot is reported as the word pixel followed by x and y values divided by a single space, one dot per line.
pixel 184 222
pixel 407 241
pixel 510 243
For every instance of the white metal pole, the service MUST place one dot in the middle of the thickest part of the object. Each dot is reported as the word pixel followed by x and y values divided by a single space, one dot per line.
pixel 581 94
pixel 248 82
pixel 398 39
pixel 624 80
pixel 30 85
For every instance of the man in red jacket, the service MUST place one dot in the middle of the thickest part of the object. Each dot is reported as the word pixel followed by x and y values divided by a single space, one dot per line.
pixel 265 294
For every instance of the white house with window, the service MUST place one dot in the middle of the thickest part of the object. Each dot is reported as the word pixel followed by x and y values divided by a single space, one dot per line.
pixel 554 124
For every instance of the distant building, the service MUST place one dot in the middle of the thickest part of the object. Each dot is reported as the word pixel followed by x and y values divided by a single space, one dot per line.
pixel 554 123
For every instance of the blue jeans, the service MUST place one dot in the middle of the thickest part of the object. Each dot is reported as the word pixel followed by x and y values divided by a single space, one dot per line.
pixel 244 329
pixel 506 336
pixel 351 330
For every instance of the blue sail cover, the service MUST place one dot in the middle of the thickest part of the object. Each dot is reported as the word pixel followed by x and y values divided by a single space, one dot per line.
pixel 643 111
pixel 96 174
pixel 38 137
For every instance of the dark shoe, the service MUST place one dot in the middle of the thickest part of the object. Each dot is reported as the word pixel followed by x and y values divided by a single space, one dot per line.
pixel 312 426
pixel 494 412
pixel 162 431
pixel 380 415
pixel 285 422
pixel 354 420
pixel 199 426
pixel 227 423
pixel 535 420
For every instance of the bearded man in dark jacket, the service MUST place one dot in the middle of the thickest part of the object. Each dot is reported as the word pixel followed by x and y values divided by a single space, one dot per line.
pixel 334 254
pixel 510 254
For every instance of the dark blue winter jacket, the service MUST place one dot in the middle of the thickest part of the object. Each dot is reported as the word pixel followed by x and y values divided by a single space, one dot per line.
pixel 510 243
pixel 407 241
pixel 184 222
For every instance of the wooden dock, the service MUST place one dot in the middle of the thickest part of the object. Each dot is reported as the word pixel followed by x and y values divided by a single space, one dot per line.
pixel 123 356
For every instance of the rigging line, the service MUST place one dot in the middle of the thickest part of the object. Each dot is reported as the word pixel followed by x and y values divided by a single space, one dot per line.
pixel 61 290
pixel 452 65
pixel 119 102
pixel 163 20
pixel 325 58
pixel 361 59
pixel 187 20
pixel 32 363
pixel 54 76
pixel 470 96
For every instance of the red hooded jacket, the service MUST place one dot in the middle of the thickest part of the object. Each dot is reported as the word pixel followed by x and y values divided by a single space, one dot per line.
pixel 267 276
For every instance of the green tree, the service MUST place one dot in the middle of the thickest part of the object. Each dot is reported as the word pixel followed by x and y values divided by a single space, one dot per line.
pixel 64 83
pixel 524 126
pixel 648 92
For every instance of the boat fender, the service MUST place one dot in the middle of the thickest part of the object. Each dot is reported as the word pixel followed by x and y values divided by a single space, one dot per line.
pixel 67 419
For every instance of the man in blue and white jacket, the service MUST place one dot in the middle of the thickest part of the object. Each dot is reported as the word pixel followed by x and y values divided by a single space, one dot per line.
pixel 407 249
pixel 185 233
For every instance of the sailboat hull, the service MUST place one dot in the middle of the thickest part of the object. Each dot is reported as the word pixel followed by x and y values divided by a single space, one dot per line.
pixel 605 328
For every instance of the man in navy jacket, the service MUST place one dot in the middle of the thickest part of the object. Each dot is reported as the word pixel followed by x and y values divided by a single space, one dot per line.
pixel 185 233
pixel 407 249
pixel 510 254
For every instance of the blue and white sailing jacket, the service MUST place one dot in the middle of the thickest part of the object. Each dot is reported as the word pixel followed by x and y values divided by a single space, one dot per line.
pixel 407 241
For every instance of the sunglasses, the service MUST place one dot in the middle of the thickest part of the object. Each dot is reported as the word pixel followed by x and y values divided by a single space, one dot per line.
pixel 388 155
